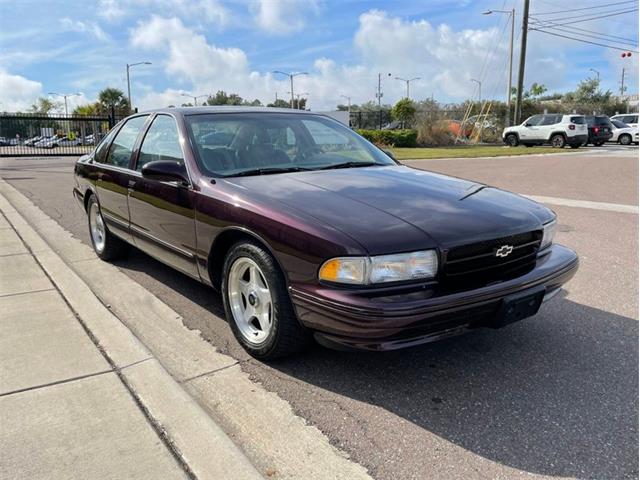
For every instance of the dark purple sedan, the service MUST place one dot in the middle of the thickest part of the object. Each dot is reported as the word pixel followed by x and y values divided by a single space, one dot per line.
pixel 309 231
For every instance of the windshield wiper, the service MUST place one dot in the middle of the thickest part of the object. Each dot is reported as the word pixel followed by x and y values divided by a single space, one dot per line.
pixel 349 165
pixel 267 171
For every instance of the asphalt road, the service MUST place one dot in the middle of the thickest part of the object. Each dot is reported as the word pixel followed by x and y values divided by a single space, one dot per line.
pixel 554 396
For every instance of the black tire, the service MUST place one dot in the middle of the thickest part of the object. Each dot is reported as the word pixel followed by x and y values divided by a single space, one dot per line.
pixel 598 144
pixel 558 141
pixel 286 336
pixel 528 145
pixel 575 145
pixel 511 140
pixel 113 247
pixel 625 139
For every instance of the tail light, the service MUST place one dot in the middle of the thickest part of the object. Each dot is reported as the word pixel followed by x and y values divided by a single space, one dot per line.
pixel 572 127
pixel 596 129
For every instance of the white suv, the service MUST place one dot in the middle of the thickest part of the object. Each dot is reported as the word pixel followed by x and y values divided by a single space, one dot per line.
pixel 630 119
pixel 553 128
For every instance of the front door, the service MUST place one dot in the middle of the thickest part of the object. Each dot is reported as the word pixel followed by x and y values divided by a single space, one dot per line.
pixel 163 213
pixel 114 176
pixel 530 130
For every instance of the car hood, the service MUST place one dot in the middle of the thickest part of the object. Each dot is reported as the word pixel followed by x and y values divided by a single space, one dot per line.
pixel 398 208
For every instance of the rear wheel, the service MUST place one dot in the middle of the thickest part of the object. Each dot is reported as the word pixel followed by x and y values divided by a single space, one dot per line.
pixel 511 140
pixel 257 305
pixel 625 139
pixel 558 141
pixel 106 245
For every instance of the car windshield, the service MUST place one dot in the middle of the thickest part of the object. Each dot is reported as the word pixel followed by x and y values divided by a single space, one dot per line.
pixel 232 144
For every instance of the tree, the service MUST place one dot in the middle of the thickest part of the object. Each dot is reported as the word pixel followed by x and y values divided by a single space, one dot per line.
pixel 113 97
pixel 533 93
pixel 44 106
pixel 404 111
pixel 299 103
pixel 88 110
pixel 222 98
pixel 280 103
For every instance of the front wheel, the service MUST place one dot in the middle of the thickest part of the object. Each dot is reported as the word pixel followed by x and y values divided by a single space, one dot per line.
pixel 257 305
pixel 511 140
pixel 106 245
pixel 625 139
pixel 558 141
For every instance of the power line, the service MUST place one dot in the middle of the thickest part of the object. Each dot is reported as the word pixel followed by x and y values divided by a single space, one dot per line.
pixel 585 41
pixel 585 8
pixel 566 30
pixel 614 38
pixel 609 14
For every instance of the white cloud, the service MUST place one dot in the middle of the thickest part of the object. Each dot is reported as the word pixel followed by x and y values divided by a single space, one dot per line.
pixel 16 92
pixel 190 57
pixel 281 17
pixel 83 27
pixel 211 11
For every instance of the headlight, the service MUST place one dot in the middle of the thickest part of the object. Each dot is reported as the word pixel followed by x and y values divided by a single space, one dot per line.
pixel 380 269
pixel 549 231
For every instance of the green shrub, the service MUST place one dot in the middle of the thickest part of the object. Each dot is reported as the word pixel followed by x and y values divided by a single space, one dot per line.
pixel 393 138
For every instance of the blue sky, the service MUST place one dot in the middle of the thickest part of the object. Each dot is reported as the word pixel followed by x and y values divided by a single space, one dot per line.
pixel 201 46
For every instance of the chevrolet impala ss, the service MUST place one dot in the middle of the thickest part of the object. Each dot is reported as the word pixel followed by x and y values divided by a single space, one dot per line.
pixel 309 231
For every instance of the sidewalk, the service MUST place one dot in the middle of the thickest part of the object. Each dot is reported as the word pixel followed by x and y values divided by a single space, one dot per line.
pixel 81 402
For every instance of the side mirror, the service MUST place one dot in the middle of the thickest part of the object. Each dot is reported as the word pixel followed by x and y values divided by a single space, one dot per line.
pixel 165 171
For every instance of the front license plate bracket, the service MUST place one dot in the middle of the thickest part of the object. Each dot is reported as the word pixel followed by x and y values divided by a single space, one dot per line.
pixel 518 307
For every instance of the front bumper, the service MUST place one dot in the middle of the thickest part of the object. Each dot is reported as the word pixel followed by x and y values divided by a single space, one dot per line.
pixel 347 318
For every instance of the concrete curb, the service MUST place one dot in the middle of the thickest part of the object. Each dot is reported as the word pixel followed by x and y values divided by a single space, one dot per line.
pixel 203 448
pixel 279 443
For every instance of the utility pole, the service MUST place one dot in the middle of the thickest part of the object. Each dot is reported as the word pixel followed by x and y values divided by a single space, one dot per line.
pixel 291 75
pixel 65 96
pixel 523 55
pixel 622 88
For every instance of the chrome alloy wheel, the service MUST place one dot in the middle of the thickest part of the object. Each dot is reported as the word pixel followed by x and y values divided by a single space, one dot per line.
pixel 250 300
pixel 97 228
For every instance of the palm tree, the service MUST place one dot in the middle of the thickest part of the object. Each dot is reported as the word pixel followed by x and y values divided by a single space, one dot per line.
pixel 113 97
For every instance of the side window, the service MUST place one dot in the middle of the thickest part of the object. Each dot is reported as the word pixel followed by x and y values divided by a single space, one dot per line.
pixel 547 120
pixel 122 146
pixel 324 135
pixel 534 121
pixel 161 142
pixel 101 149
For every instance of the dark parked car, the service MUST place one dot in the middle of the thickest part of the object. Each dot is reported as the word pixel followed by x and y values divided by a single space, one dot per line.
pixel 308 230
pixel 600 129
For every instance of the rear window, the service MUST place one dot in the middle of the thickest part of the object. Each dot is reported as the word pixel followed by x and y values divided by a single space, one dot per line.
pixel 578 120
pixel 598 120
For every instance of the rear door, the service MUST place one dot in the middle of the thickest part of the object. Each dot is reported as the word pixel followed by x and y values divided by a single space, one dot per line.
pixel 115 174
pixel 163 213
pixel 548 125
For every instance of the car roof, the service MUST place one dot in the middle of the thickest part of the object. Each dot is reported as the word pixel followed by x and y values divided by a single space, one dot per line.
pixel 227 109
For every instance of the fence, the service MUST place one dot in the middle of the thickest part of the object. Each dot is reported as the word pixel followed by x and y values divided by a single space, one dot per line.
pixel 24 134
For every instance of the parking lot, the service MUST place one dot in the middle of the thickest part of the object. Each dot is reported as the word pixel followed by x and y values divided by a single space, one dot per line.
pixel 552 396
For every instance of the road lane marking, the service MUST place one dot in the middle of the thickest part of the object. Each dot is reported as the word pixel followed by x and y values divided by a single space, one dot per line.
pixel 567 202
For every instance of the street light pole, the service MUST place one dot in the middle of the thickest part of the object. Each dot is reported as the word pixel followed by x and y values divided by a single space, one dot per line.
pixel 379 97
pixel 195 97
pixel 512 15
pixel 348 103
pixel 597 73
pixel 65 96
pixel 408 82
pixel 291 75
pixel 129 65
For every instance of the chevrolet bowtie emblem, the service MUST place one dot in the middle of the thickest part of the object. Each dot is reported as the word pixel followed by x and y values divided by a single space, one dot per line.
pixel 504 251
